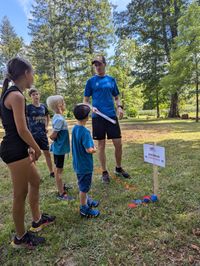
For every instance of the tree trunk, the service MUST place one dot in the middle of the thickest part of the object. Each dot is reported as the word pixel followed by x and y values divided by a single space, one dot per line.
pixel 55 80
pixel 197 102
pixel 197 88
pixel 174 111
pixel 157 104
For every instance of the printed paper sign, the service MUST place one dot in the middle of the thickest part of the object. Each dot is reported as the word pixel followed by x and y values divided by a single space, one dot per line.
pixel 154 154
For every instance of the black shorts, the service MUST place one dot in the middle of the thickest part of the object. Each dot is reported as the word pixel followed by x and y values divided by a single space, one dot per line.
pixel 42 142
pixel 59 160
pixel 101 127
pixel 12 155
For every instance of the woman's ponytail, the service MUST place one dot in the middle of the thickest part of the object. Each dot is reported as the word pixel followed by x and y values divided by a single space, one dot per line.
pixel 5 85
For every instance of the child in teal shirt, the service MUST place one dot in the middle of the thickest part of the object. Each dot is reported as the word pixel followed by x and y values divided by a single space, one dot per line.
pixel 82 150
pixel 60 145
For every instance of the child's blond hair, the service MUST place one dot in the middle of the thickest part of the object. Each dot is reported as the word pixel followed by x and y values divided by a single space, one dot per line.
pixel 53 101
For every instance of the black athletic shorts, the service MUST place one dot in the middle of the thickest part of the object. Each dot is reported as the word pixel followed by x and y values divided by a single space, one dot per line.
pixel 13 154
pixel 102 128
pixel 59 160
pixel 42 142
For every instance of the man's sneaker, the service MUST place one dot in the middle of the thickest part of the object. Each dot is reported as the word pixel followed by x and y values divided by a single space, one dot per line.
pixel 86 211
pixel 120 172
pixel 52 174
pixel 29 241
pixel 92 203
pixel 65 197
pixel 105 177
pixel 43 222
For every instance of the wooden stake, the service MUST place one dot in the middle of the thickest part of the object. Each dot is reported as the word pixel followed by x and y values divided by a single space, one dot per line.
pixel 155 178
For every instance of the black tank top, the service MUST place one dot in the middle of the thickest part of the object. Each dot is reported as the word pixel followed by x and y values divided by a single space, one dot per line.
pixel 11 139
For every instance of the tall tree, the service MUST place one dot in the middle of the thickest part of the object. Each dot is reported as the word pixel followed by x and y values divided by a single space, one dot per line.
pixel 121 68
pixel 151 22
pixel 66 35
pixel 10 43
pixel 184 69
pixel 44 48
pixel 149 68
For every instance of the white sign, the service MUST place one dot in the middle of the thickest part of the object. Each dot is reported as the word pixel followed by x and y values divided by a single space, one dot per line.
pixel 154 155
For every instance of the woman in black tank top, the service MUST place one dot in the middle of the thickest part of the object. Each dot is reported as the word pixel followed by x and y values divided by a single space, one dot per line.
pixel 16 146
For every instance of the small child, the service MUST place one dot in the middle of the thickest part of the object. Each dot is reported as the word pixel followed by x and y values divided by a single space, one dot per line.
pixel 38 119
pixel 60 145
pixel 82 150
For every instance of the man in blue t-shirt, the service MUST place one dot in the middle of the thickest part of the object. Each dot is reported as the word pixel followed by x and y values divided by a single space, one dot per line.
pixel 38 120
pixel 104 91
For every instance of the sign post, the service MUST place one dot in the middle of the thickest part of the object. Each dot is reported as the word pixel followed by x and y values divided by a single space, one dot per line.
pixel 154 155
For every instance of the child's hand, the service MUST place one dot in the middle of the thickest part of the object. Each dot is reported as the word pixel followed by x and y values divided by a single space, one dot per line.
pixel 91 150
pixel 53 136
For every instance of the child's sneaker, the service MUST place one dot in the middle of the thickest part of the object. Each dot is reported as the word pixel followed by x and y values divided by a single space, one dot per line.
pixel 121 172
pixel 29 241
pixel 92 203
pixel 64 196
pixel 52 174
pixel 87 212
pixel 105 177
pixel 43 222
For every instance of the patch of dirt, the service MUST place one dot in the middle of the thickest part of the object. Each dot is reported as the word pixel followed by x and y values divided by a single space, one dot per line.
pixel 183 256
pixel 67 260
pixel 196 231
pixel 132 132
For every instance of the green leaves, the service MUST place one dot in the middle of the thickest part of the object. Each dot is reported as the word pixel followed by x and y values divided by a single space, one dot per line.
pixel 66 35
pixel 10 44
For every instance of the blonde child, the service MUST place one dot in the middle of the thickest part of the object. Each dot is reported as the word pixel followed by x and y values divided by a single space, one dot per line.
pixel 61 144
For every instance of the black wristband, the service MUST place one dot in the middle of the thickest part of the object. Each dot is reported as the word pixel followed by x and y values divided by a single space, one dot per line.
pixel 120 106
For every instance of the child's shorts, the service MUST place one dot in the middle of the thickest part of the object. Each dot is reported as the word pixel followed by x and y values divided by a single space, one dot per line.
pixel 42 142
pixel 84 182
pixel 59 160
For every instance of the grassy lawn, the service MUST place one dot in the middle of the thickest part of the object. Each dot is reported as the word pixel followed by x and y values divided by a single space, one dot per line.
pixel 164 233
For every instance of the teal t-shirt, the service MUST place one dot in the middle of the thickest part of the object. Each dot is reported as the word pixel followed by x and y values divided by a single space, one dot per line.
pixel 61 144
pixel 82 140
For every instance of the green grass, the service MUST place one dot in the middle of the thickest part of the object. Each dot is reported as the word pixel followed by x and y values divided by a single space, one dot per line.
pixel 156 234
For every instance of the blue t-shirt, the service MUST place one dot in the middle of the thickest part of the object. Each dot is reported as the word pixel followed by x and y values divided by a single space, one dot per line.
pixel 37 119
pixel 82 140
pixel 102 90
pixel 61 144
